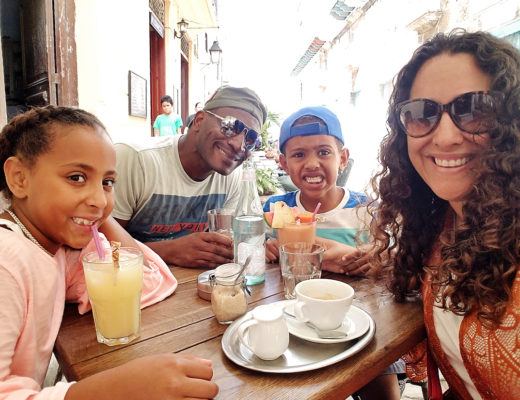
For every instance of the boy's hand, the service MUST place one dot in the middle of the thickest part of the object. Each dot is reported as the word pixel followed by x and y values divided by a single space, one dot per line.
pixel 338 256
pixel 356 263
pixel 271 250
pixel 343 259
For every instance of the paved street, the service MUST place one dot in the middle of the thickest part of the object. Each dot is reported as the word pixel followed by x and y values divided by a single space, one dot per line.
pixel 413 392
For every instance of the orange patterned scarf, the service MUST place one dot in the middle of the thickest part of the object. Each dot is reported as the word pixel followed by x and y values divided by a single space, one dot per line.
pixel 491 356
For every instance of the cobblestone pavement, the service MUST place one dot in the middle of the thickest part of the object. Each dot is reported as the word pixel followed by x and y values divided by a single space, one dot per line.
pixel 414 392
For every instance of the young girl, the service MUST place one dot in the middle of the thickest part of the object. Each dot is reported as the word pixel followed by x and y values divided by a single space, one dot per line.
pixel 58 174
pixel 448 218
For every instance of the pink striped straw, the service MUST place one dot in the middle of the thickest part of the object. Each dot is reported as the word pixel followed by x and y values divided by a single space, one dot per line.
pixel 316 211
pixel 97 242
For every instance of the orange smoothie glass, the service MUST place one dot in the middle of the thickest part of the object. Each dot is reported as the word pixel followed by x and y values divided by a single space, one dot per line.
pixel 297 232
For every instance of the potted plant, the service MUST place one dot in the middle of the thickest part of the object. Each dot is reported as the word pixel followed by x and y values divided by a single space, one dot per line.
pixel 266 181
pixel 264 131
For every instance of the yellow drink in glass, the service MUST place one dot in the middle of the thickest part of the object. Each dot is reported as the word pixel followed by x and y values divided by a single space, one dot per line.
pixel 297 232
pixel 115 295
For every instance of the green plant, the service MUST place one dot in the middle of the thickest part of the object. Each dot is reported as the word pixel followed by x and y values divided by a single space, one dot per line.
pixel 264 131
pixel 266 181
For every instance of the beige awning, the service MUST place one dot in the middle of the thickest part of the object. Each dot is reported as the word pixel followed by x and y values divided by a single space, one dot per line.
pixel 199 14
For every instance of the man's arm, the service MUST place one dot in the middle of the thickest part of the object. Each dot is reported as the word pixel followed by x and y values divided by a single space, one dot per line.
pixel 115 231
pixel 201 249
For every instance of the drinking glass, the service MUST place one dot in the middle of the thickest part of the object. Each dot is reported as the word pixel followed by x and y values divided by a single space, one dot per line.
pixel 221 220
pixel 297 232
pixel 299 261
pixel 115 294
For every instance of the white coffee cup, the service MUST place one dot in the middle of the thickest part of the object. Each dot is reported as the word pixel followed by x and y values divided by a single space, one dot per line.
pixel 323 302
pixel 266 333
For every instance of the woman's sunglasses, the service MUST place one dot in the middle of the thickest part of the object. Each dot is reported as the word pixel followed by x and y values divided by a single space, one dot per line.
pixel 473 112
pixel 230 126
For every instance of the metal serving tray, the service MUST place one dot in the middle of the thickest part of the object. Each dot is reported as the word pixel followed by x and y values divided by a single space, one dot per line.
pixel 301 355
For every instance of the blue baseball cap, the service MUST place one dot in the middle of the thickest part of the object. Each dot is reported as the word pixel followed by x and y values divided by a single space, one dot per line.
pixel 330 125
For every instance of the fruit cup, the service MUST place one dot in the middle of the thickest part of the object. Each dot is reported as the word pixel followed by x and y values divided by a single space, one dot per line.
pixel 291 224
pixel 297 232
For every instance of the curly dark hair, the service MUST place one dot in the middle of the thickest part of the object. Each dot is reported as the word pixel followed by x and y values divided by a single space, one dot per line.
pixel 481 257
pixel 30 134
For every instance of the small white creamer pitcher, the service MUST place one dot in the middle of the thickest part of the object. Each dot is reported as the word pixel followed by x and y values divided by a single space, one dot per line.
pixel 266 333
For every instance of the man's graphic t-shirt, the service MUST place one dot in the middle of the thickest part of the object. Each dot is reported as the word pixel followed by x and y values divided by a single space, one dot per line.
pixel 158 198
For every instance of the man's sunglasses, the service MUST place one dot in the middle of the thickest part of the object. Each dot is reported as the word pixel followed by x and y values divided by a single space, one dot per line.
pixel 473 112
pixel 230 126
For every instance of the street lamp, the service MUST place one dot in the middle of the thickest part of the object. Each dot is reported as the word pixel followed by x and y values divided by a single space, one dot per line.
pixel 182 28
pixel 215 52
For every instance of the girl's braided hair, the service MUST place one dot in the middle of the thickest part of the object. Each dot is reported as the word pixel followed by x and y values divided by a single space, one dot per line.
pixel 29 135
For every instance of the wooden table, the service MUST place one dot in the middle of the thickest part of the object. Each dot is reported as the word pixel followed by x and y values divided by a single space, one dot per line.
pixel 185 323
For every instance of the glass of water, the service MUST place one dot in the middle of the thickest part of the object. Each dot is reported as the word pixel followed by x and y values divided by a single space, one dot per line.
pixel 299 262
pixel 221 220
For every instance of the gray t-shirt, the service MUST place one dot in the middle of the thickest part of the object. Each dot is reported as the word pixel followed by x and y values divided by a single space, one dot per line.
pixel 158 198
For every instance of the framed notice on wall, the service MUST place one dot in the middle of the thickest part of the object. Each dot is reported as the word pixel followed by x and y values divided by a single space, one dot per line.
pixel 136 95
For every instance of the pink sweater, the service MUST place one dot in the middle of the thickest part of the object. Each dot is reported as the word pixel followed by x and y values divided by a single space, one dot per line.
pixel 33 291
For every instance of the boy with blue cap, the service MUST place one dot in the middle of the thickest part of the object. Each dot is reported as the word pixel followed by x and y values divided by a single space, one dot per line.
pixel 313 152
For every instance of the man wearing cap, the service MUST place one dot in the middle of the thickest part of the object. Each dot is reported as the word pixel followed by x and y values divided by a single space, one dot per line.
pixel 165 187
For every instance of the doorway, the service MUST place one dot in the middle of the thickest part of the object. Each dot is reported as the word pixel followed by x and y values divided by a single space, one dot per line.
pixel 39 54
pixel 157 74
pixel 185 79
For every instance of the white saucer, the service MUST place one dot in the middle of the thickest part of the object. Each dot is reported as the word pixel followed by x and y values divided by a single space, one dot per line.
pixel 301 355
pixel 356 324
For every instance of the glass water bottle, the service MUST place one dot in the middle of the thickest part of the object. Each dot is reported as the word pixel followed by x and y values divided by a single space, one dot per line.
pixel 249 228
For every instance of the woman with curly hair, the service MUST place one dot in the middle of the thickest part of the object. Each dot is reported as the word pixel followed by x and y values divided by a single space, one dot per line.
pixel 448 208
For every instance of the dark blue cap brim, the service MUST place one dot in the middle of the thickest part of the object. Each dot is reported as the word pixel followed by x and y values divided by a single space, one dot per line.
pixel 309 129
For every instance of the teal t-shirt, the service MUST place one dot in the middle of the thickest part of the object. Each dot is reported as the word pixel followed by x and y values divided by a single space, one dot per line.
pixel 167 124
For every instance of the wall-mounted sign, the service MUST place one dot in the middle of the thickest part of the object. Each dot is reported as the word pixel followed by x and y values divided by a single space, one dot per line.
pixel 156 24
pixel 136 95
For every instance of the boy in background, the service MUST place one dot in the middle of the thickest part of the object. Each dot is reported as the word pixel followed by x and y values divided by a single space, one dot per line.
pixel 168 123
